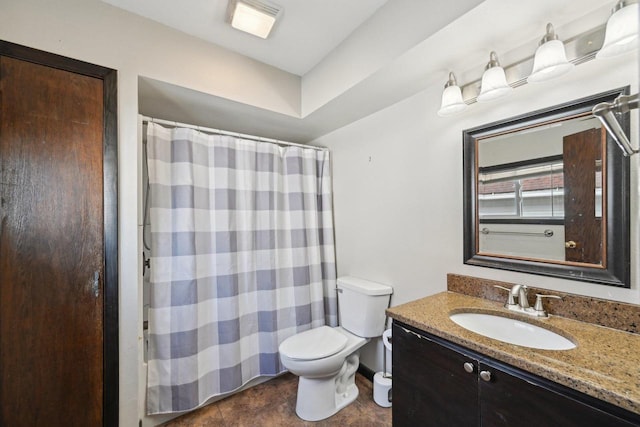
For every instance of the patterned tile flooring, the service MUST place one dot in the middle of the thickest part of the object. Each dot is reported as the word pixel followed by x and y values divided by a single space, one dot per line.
pixel 272 404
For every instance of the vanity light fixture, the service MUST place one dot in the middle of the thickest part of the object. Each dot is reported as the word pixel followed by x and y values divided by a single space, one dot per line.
pixel 253 16
pixel 494 81
pixel 452 101
pixel 550 59
pixel 622 29
pixel 620 35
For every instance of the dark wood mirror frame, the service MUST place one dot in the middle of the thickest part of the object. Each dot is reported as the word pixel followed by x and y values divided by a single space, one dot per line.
pixel 616 270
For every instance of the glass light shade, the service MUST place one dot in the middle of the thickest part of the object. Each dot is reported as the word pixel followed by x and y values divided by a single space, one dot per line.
pixel 452 101
pixel 549 62
pixel 494 85
pixel 622 32
pixel 251 20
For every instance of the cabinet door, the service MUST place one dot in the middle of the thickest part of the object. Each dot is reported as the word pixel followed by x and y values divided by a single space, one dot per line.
pixel 430 384
pixel 507 400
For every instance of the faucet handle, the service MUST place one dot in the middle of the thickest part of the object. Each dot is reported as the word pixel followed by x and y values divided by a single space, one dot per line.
pixel 539 308
pixel 510 297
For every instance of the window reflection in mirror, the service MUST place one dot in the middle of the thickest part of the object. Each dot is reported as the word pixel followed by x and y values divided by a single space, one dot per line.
pixel 524 190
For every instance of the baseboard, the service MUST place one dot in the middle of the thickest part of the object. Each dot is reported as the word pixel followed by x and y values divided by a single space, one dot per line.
pixel 366 372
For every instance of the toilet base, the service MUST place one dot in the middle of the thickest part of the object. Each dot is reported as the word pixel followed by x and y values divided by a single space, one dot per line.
pixel 320 398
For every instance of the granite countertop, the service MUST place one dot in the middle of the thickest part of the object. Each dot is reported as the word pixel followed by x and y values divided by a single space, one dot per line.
pixel 605 364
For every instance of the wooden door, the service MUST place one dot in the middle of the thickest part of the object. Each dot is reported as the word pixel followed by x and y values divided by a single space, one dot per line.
pixel 582 156
pixel 52 247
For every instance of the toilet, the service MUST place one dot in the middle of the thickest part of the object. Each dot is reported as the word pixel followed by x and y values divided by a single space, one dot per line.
pixel 326 359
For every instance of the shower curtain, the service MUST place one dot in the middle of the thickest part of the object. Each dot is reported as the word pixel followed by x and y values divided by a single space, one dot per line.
pixel 242 258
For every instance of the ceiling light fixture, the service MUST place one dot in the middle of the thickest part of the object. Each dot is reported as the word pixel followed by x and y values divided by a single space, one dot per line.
pixel 253 17
pixel 452 101
pixel 550 59
pixel 494 81
pixel 622 29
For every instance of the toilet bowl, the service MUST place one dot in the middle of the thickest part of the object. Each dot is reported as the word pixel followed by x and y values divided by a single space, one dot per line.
pixel 327 378
pixel 319 352
pixel 326 358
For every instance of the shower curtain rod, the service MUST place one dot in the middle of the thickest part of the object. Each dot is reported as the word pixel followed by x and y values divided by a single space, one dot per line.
pixel 605 112
pixel 146 119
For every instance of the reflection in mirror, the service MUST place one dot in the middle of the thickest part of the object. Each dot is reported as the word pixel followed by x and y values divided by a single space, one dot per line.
pixel 548 193
pixel 522 208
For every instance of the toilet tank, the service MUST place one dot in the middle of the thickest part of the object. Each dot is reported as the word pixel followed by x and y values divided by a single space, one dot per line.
pixel 361 306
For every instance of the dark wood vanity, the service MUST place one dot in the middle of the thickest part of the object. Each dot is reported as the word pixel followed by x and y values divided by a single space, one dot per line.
pixel 446 375
pixel 439 383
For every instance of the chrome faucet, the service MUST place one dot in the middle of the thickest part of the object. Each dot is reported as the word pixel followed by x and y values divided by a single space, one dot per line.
pixel 518 299
pixel 519 293
pixel 523 297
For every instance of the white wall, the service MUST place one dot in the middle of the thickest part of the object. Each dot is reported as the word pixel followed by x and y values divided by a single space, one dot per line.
pixel 376 42
pixel 398 188
pixel 95 32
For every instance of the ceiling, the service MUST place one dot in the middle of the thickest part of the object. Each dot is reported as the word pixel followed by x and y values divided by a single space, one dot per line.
pixel 305 33
pixel 354 57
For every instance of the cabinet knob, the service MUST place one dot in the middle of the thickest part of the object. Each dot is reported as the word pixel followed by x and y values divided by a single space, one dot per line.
pixel 468 366
pixel 570 244
pixel 485 375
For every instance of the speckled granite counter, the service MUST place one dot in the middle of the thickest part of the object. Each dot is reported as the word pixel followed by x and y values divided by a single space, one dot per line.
pixel 605 364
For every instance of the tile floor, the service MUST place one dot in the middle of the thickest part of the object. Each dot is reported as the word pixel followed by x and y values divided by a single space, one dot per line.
pixel 273 404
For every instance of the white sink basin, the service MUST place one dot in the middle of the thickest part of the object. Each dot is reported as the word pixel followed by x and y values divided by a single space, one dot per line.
pixel 512 331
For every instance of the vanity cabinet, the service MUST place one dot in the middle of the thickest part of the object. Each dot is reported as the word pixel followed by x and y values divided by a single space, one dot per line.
pixel 430 385
pixel 438 383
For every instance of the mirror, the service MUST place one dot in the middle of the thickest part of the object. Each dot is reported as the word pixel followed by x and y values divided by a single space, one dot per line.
pixel 548 193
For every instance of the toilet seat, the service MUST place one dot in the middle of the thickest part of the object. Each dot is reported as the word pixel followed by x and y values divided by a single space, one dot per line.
pixel 313 344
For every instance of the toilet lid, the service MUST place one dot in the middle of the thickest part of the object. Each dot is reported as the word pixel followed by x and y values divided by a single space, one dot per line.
pixel 313 344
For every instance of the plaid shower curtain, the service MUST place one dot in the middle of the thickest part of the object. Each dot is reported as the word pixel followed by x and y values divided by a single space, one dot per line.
pixel 242 257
